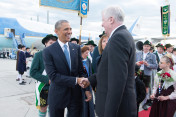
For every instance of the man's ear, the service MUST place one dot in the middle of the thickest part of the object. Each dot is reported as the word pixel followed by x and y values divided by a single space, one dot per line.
pixel 111 20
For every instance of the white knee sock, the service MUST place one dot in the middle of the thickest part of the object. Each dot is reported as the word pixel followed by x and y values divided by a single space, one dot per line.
pixel 20 78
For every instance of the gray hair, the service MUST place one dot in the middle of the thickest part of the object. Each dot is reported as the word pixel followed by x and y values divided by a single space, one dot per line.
pixel 114 11
pixel 59 23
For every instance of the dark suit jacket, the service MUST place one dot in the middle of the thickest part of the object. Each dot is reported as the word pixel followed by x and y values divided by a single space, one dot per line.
pixel 62 87
pixel 21 67
pixel 115 93
pixel 94 58
pixel 27 54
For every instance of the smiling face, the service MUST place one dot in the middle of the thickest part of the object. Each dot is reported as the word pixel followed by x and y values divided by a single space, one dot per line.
pixel 160 50
pixel 106 24
pixel 64 32
pixel 146 48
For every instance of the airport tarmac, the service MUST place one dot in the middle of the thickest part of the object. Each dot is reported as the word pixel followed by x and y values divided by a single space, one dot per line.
pixel 15 100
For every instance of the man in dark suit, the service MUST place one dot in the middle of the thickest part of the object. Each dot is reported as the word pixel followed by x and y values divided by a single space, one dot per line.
pixel 63 64
pixel 115 93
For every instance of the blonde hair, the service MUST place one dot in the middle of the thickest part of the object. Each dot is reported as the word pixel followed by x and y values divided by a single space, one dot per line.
pixel 168 58
pixel 100 49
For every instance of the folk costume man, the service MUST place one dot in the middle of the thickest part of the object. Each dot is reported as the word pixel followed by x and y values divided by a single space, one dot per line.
pixel 159 53
pixel 38 72
pixel 146 61
pixel 91 46
pixel 74 40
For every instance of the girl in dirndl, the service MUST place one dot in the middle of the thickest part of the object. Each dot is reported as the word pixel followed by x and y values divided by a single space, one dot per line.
pixel 164 90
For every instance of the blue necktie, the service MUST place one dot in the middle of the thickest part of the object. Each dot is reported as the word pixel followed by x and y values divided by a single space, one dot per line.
pixel 67 55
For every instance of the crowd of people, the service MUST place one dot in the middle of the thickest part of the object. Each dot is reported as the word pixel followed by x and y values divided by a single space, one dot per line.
pixel 69 75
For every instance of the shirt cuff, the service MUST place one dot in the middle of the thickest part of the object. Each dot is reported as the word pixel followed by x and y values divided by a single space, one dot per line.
pixel 76 81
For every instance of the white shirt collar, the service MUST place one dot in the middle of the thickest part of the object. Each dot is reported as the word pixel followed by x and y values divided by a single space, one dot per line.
pixel 62 44
pixel 145 53
pixel 114 30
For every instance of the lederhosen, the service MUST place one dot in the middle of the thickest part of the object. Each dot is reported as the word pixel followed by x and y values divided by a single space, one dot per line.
pixel 145 78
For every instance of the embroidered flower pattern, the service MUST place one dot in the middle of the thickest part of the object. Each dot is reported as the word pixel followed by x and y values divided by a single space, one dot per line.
pixel 42 101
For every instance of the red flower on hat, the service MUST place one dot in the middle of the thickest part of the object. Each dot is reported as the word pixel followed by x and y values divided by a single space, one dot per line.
pixel 165 47
pixel 162 44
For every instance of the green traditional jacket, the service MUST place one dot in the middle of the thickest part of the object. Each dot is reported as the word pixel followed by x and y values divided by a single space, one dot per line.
pixel 37 69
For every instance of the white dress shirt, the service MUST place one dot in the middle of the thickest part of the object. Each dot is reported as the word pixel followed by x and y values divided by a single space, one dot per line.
pixel 160 55
pixel 114 30
pixel 144 57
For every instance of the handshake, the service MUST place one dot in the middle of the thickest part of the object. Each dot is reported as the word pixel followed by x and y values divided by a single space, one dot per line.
pixel 83 82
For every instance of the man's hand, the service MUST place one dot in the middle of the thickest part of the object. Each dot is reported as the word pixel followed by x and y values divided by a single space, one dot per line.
pixel 49 81
pixel 145 63
pixel 88 95
pixel 139 63
pixel 83 82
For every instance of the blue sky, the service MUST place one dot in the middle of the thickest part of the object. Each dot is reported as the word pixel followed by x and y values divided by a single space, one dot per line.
pixel 149 10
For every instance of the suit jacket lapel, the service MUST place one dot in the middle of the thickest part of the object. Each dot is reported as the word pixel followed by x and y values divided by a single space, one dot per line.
pixel 61 53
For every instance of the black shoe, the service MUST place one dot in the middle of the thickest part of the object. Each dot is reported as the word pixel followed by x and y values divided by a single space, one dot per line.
pixel 22 83
pixel 145 107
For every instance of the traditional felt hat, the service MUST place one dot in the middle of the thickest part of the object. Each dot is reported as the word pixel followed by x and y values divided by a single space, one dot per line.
pixel 74 39
pixel 168 46
pixel 48 37
pixel 102 34
pixel 160 45
pixel 147 43
pixel 91 42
